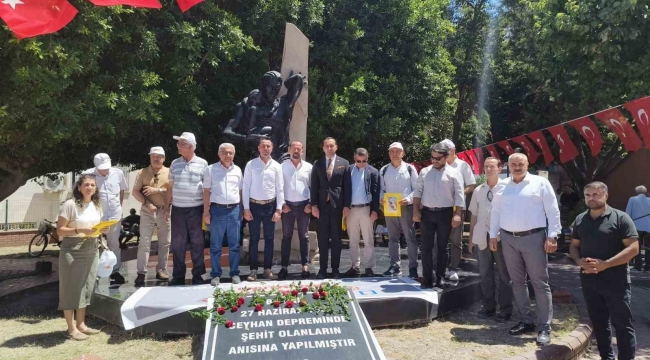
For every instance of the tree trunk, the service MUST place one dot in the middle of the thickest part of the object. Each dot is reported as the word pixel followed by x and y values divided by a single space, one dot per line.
pixel 10 183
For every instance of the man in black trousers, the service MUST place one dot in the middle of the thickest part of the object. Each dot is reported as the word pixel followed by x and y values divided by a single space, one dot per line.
pixel 604 240
pixel 327 203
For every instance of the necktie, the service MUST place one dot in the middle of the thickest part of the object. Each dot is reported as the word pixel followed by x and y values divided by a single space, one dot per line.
pixel 329 169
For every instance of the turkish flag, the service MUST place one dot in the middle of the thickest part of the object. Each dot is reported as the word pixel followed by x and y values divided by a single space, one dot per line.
pixel 152 4
pixel 464 157
pixel 480 159
pixel 589 132
pixel 538 138
pixel 567 150
pixel 27 18
pixel 492 151
pixel 533 155
pixel 640 109
pixel 616 122
pixel 476 166
pixel 186 4
pixel 505 145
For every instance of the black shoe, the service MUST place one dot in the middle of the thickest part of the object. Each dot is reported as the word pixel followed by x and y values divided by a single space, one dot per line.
pixel 369 272
pixel 305 274
pixel 336 274
pixel 393 270
pixel 354 271
pixel 197 280
pixel 177 282
pixel 503 317
pixel 282 275
pixel 322 274
pixel 521 328
pixel 413 273
pixel 117 278
pixel 139 281
pixel 484 314
pixel 543 338
pixel 427 284
pixel 440 281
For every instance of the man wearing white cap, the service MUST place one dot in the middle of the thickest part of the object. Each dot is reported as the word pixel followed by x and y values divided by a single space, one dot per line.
pixel 468 182
pixel 185 204
pixel 401 178
pixel 150 189
pixel 111 184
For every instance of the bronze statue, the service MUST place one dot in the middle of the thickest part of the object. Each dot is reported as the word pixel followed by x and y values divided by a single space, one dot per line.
pixel 263 113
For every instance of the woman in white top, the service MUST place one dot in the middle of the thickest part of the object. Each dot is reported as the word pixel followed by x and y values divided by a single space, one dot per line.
pixel 78 258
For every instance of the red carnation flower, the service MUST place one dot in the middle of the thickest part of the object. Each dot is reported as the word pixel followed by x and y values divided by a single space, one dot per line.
pixel 234 308
pixel 258 307
pixel 285 293
pixel 276 303
pixel 241 301
pixel 229 324
pixel 323 295
pixel 289 304
pixel 221 310
pixel 316 295
pixel 305 289
pixel 294 292
pixel 321 290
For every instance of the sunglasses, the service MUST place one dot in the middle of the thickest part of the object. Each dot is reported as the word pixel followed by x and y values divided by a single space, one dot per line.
pixel 490 195
pixel 155 179
pixel 362 161
pixel 437 158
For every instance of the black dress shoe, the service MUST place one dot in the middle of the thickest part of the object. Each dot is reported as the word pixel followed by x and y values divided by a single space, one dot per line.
pixel 503 317
pixel 197 280
pixel 282 275
pixel 336 274
pixel 440 281
pixel 369 272
pixel 139 281
pixel 177 282
pixel 484 314
pixel 426 283
pixel 117 278
pixel 305 274
pixel 521 328
pixel 354 271
pixel 543 338
pixel 322 274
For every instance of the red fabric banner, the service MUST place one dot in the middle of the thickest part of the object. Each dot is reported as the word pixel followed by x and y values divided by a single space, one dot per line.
pixel 567 150
pixel 616 122
pixel 640 110
pixel 492 151
pixel 533 155
pixel 505 145
pixel 27 18
pixel 538 138
pixel 464 157
pixel 476 165
pixel 480 159
pixel 589 132
pixel 186 4
pixel 151 4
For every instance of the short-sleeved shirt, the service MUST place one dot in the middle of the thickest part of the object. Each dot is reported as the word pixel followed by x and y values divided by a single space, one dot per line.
pixel 466 175
pixel 69 211
pixel 187 179
pixel 159 180
pixel 224 183
pixel 439 188
pixel 109 188
pixel 480 206
pixel 602 238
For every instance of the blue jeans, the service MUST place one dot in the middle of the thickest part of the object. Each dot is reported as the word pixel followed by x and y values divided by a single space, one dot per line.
pixel 224 222
pixel 262 215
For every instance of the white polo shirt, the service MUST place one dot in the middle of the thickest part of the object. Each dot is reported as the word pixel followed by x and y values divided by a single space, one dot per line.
pixel 481 206
pixel 297 181
pixel 224 183
pixel 109 188
pixel 466 174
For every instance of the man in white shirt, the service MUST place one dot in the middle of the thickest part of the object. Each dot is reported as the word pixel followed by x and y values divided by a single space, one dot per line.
pixel 520 214
pixel 479 230
pixel 222 183
pixel 437 191
pixel 263 199
pixel 638 207
pixel 296 209
pixel 401 178
pixel 111 185
pixel 468 182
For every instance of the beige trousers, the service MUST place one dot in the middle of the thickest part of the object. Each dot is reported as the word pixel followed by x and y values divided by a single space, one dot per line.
pixel 359 224
pixel 147 223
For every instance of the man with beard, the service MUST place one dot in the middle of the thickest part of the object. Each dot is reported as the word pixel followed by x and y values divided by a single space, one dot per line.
pixel 297 179
pixel 604 240
pixel 527 217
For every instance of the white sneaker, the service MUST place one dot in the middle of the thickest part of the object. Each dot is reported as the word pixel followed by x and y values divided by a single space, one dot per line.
pixel 215 281
pixel 453 275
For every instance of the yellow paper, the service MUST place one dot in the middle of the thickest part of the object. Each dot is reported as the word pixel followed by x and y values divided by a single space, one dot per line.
pixel 344 225
pixel 102 225
pixel 392 206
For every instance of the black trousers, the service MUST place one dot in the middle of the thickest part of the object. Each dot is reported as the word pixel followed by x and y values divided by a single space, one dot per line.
pixel 435 227
pixel 608 303
pixel 186 229
pixel 638 260
pixel 297 214
pixel 329 236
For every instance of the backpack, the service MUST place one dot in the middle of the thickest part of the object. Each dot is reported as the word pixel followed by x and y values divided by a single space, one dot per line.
pixel 385 168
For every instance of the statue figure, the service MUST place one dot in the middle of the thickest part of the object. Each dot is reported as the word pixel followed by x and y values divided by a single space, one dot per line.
pixel 263 113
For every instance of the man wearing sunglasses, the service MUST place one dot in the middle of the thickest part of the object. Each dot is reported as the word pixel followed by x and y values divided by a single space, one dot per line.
pixel 437 191
pixel 479 229
pixel 363 182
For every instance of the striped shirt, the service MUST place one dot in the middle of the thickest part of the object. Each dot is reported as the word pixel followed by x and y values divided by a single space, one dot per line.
pixel 187 181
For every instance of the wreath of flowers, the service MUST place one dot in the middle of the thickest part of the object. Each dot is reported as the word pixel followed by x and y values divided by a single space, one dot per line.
pixel 330 299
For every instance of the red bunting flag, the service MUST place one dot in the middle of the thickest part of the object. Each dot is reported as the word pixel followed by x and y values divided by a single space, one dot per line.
pixel 186 4
pixel 640 110
pixel 464 157
pixel 505 145
pixel 27 18
pixel 533 155
pixel 616 122
pixel 480 159
pixel 152 4
pixel 567 150
pixel 492 151
pixel 589 132
pixel 538 138
pixel 476 166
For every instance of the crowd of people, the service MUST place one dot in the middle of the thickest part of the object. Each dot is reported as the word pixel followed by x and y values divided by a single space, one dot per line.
pixel 515 223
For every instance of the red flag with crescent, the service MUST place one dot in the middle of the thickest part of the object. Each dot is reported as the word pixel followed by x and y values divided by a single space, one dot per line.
pixel 476 166
pixel 492 151
pixel 589 132
pixel 27 18
pixel 533 155
pixel 640 110
pixel 538 138
pixel 505 145
pixel 480 159
pixel 616 122
pixel 567 150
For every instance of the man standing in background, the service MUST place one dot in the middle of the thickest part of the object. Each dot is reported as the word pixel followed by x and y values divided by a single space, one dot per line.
pixel 638 207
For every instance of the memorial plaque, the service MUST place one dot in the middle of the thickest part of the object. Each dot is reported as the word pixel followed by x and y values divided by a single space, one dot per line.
pixel 288 333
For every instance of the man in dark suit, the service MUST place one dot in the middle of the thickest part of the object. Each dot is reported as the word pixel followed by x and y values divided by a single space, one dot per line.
pixel 327 203
pixel 363 182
